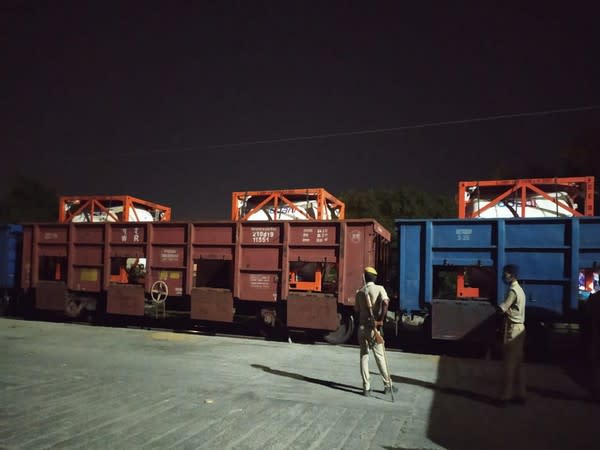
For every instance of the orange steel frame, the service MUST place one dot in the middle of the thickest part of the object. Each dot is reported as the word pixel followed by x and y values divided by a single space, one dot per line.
pixel 531 184
pixel 296 285
pixel 95 203
pixel 280 197
pixel 522 185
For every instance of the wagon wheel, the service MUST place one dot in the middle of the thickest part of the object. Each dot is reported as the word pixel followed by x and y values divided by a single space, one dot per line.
pixel 345 329
pixel 159 292
pixel 73 308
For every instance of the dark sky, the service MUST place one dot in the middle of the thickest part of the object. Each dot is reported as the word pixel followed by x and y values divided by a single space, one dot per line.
pixel 137 98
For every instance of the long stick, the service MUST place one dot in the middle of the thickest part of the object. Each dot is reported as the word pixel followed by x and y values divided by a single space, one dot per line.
pixel 387 368
pixel 379 340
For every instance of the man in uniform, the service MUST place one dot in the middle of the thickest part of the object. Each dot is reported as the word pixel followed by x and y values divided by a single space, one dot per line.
pixel 592 337
pixel 513 307
pixel 371 304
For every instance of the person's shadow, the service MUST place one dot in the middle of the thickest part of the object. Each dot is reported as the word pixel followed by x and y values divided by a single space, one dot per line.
pixel 436 387
pixel 357 390
pixel 297 376
pixel 471 395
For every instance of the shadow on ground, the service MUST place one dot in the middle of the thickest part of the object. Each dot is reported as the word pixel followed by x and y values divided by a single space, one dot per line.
pixel 297 376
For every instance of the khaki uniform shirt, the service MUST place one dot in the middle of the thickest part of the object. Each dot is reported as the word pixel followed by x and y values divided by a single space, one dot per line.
pixel 377 294
pixel 514 303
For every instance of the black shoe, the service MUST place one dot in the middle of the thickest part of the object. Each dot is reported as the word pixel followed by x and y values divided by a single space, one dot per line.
pixel 366 392
pixel 519 401
pixel 388 389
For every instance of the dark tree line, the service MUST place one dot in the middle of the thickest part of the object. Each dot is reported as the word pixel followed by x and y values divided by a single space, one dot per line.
pixel 28 200
pixel 580 158
pixel 386 205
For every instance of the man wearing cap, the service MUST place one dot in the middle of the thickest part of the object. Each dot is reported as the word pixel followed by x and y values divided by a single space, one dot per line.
pixel 513 307
pixel 371 304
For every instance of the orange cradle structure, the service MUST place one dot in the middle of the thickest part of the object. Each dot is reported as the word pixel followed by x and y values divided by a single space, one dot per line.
pixel 287 204
pixel 110 208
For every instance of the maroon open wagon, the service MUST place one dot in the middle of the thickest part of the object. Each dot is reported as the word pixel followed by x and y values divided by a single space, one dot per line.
pixel 300 274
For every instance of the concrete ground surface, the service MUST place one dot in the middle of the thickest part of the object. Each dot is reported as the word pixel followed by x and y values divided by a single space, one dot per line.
pixel 79 386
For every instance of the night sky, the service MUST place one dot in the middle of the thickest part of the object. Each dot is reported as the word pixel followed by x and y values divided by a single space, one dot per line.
pixel 151 99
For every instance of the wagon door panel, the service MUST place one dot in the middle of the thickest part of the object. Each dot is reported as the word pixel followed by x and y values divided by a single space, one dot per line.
pixel 259 264
pixel 212 304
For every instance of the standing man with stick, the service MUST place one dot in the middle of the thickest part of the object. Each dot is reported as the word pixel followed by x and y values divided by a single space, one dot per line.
pixel 371 304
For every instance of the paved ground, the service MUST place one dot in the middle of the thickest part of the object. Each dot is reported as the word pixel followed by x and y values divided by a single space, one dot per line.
pixel 77 386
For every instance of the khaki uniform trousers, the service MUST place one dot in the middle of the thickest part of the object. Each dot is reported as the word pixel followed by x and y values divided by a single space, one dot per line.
pixel 513 380
pixel 366 339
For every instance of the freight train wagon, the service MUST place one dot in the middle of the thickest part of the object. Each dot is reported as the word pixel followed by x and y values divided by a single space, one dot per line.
pixel 558 259
pixel 300 274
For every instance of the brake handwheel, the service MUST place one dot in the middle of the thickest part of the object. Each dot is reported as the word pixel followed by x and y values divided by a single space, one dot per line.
pixel 159 291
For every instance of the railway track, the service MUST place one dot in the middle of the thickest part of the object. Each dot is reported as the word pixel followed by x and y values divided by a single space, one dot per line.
pixel 407 341
pixel 240 330
pixel 248 330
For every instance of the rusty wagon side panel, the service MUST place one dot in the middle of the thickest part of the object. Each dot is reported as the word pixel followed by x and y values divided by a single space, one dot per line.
pixel 306 271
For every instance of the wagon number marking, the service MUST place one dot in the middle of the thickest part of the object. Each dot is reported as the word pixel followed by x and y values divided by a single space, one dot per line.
pixel 464 234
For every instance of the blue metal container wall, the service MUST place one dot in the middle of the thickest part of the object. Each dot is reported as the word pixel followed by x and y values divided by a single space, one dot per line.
pixel 543 252
pixel 10 236
pixel 410 237
pixel 549 253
